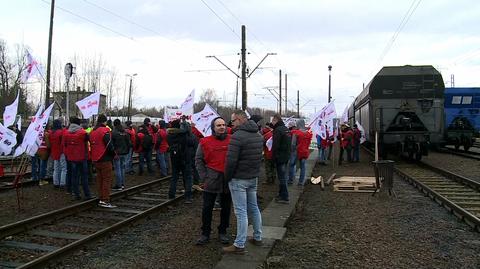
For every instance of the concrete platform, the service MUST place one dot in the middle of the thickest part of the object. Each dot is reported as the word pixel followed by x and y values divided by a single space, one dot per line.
pixel 274 219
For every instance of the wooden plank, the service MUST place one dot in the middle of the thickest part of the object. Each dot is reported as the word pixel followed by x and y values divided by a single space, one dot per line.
pixel 5 264
pixel 25 245
pixel 69 236
pixel 133 204
pixel 146 199
pixel 83 225
pixel 103 216
pixel 118 210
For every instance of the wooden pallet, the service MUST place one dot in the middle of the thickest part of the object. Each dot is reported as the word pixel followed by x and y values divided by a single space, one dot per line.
pixel 354 184
pixel 356 188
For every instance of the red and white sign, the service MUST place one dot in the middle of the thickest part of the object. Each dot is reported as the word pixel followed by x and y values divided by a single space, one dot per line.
pixel 89 105
pixel 323 120
pixel 203 119
pixel 172 114
pixel 32 69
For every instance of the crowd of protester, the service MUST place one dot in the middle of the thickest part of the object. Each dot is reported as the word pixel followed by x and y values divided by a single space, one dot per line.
pixel 225 166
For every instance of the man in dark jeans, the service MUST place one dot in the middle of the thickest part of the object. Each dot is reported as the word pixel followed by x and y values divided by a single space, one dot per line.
pixel 281 154
pixel 210 163
pixel 144 150
pixel 181 142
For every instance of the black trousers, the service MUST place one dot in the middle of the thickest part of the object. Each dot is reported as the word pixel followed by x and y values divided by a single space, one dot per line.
pixel 208 204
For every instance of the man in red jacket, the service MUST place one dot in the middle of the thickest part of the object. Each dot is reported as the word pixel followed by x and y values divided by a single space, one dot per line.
pixel 131 131
pixel 76 151
pixel 102 156
pixel 267 154
pixel 210 162
pixel 161 147
pixel 303 139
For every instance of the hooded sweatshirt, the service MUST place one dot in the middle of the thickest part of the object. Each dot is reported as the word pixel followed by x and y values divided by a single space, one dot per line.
pixel 244 155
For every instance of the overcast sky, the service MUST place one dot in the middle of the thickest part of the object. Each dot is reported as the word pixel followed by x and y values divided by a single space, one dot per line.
pixel 164 41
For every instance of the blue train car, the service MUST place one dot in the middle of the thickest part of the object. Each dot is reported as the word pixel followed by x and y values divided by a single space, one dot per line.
pixel 462 116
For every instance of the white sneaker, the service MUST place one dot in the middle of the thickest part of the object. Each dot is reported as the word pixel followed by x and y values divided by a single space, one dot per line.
pixel 108 205
pixel 101 203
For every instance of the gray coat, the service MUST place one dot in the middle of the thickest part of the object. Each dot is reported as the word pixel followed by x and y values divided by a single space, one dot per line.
pixel 213 181
pixel 244 155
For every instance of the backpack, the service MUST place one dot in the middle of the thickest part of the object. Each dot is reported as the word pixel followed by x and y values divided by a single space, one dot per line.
pixel 177 151
pixel 147 142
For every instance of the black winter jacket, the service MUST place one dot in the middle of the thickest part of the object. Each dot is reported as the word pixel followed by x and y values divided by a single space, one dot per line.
pixel 121 140
pixel 244 155
pixel 281 143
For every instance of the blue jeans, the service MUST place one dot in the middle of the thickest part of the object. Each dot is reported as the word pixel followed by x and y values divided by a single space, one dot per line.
pixel 39 168
pixel 80 172
pixel 163 163
pixel 244 198
pixel 119 166
pixel 282 181
pixel 356 153
pixel 321 155
pixel 186 170
pixel 292 167
pixel 128 164
pixel 60 171
pixel 301 178
pixel 145 156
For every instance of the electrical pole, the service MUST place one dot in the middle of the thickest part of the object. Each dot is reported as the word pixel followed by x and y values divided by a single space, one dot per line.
pixel 329 82
pixel 129 116
pixel 49 55
pixel 280 92
pixel 243 75
pixel 244 70
pixel 298 103
pixel 286 107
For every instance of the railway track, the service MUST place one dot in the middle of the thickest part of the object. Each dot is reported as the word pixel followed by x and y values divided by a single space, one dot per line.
pixel 470 154
pixel 457 194
pixel 37 241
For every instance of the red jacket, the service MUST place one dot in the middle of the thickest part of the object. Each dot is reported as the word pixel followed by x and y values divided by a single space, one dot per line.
pixel 215 152
pixel 75 145
pixel 97 144
pixel 56 144
pixel 304 138
pixel 163 147
pixel 267 134
pixel 196 132
pixel 138 146
pixel 132 134
pixel 346 138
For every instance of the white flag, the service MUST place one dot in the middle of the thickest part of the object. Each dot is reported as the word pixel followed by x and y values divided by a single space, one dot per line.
pixel 323 121
pixel 10 112
pixel 187 106
pixel 21 148
pixel 172 114
pixel 8 139
pixel 362 132
pixel 345 115
pixel 38 131
pixel 19 123
pixel 89 105
pixel 204 118
pixel 32 69
pixel 269 143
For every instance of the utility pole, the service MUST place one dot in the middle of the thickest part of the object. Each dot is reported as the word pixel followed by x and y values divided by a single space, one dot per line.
pixel 280 92
pixel 129 115
pixel 298 103
pixel 49 55
pixel 243 75
pixel 329 82
pixel 244 70
pixel 286 107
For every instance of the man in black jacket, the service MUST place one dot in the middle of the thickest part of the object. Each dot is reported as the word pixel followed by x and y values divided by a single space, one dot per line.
pixel 121 144
pixel 180 143
pixel 242 168
pixel 280 155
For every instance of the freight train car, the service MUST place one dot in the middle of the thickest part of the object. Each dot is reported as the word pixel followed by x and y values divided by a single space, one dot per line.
pixel 404 105
pixel 462 116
